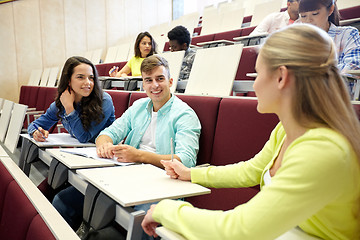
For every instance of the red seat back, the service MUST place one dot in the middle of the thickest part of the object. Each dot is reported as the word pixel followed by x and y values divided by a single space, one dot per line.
pixel 206 108
pixel 120 101
pixel 38 230
pixel 18 212
pixel 135 96
pixel 247 63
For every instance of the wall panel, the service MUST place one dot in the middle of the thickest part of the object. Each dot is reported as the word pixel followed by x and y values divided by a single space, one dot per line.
pixel 27 38
pixel 115 21
pixel 8 70
pixel 133 17
pixel 75 27
pixel 52 32
pixel 95 24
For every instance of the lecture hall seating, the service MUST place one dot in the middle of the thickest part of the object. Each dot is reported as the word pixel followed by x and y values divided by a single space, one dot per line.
pixel 232 131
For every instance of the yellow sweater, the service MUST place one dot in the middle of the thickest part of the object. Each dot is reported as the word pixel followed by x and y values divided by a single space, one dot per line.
pixel 134 64
pixel 317 188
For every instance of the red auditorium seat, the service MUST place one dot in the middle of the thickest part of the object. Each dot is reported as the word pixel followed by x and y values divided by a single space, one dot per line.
pixel 135 96
pixel 120 100
pixel 350 13
pixel 5 179
pixel 247 63
pixel 205 38
pixel 38 230
pixel 246 31
pixel 247 19
pixel 206 109
pixel 104 68
pixel 232 137
pixel 17 215
pixel 229 35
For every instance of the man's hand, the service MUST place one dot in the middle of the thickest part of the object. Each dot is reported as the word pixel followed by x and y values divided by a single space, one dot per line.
pixel 105 150
pixel 126 153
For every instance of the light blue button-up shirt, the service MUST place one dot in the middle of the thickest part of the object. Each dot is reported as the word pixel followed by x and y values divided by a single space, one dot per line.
pixel 175 120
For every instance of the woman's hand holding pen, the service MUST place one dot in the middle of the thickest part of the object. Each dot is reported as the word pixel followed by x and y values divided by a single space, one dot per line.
pixel 175 169
pixel 40 134
pixel 67 99
pixel 113 71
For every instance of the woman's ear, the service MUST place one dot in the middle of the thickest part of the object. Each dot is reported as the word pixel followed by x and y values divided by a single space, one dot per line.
pixel 283 77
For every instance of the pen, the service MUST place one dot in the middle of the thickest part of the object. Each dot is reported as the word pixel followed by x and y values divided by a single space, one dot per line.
pixel 172 149
pixel 112 70
pixel 37 128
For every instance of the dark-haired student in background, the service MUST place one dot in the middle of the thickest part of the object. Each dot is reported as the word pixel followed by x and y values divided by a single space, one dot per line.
pixel 179 40
pixel 325 15
pixel 144 46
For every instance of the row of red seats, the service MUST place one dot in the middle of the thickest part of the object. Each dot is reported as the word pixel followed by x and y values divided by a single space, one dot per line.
pixel 232 131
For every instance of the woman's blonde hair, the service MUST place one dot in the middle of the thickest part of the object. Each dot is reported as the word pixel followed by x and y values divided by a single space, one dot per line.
pixel 321 97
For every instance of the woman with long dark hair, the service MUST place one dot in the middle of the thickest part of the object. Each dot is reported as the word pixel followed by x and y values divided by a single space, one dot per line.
pixel 82 107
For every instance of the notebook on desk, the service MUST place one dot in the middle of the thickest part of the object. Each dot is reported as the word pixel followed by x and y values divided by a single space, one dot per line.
pixel 58 140
pixel 90 152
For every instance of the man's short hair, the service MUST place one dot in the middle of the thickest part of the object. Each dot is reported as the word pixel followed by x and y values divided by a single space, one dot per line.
pixel 180 34
pixel 149 63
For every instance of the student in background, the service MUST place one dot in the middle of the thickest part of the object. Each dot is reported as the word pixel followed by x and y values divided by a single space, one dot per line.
pixel 144 46
pixel 325 15
pixel 83 108
pixel 309 170
pixel 148 126
pixel 179 40
pixel 278 20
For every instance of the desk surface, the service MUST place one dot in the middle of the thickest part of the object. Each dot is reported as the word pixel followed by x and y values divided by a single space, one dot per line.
pixel 59 140
pixel 103 78
pixel 254 36
pixel 72 161
pixel 3 152
pixel 138 184
pixel 216 42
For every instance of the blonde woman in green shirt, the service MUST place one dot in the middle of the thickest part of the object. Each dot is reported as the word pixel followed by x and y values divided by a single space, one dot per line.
pixel 308 170
pixel 145 46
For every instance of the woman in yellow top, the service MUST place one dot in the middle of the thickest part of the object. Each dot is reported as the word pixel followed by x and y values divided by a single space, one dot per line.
pixel 144 46
pixel 309 170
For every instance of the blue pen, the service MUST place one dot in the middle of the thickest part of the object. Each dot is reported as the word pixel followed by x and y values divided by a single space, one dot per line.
pixel 37 128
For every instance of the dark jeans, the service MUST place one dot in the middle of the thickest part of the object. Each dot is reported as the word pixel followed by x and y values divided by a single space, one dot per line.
pixel 70 203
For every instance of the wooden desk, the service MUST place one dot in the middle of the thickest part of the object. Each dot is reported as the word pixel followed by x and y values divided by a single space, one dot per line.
pixel 251 40
pixel 72 161
pixel 139 184
pixel 32 149
pixel 216 43
pixel 238 86
pixel 120 81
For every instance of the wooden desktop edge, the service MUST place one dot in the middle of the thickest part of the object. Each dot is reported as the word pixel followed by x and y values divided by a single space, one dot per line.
pixel 215 42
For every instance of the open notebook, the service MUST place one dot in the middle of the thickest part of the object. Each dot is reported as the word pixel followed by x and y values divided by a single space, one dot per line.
pixel 90 152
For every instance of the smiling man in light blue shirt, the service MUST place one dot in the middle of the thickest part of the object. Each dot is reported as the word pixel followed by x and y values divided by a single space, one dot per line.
pixel 151 122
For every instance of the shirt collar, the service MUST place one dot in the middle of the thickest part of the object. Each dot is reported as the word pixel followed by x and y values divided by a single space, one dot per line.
pixel 164 109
